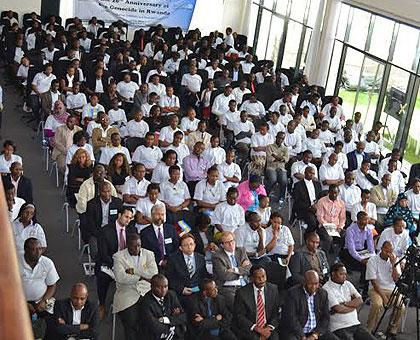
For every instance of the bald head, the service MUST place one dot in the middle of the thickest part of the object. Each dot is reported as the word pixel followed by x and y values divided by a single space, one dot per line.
pixel 311 283
pixel 79 295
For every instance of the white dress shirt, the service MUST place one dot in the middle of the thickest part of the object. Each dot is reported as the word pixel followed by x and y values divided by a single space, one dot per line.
pixel 230 217
pixel 212 194
pixel 149 156
pixel 174 194
pixel 328 172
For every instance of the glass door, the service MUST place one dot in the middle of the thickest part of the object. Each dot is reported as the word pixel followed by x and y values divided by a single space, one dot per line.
pixel 395 106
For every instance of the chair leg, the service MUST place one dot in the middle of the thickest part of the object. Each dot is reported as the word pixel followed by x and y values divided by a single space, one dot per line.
pixel 79 238
pixel 114 317
pixel 57 182
pixel 66 217
pixel 404 317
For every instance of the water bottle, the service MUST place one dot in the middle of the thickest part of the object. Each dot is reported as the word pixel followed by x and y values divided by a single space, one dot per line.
pixel 34 317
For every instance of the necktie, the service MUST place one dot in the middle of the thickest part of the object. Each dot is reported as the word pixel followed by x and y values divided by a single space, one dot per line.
pixel 260 310
pixel 235 265
pixel 213 331
pixel 161 244
pixel 121 243
pixel 190 266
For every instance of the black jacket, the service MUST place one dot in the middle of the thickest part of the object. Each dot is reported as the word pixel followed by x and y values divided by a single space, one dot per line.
pixel 300 263
pixel 352 160
pixel 63 310
pixel 301 200
pixel 24 189
pixel 152 311
pixel 246 309
pixel 178 275
pixel 295 311
pixel 94 214
pixel 202 329
pixel 150 241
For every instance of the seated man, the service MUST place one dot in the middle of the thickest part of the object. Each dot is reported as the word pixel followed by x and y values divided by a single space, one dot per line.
pixel 112 239
pixel 382 272
pixel 251 236
pixel 357 156
pixel 350 194
pixel 306 314
pixel 367 207
pixel 259 143
pixel 331 173
pixel 308 258
pixel 186 269
pixel 135 187
pixel 160 237
pixel 230 267
pixel 330 212
pixel 76 316
pixel 112 149
pixel 364 177
pixel 133 269
pixel 162 315
pixel 39 279
pixel 101 136
pixel 305 195
pixel 100 211
pixel 208 314
pixel 297 170
pixel 358 240
pixel 195 167
pixel 176 196
pixel 343 300
pixel 383 196
pixel 259 319
pixel 22 184
pixel 398 236
pixel 143 216
pixel 229 215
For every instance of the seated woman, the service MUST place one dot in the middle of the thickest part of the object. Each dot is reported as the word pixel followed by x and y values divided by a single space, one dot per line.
pixel 204 236
pixel 118 171
pixel 161 172
pixel 8 157
pixel 26 226
pixel 57 118
pixel 400 208
pixel 79 170
pixel 135 187
pixel 209 192
pixel 144 207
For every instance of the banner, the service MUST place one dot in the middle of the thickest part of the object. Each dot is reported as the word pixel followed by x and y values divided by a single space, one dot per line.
pixel 138 13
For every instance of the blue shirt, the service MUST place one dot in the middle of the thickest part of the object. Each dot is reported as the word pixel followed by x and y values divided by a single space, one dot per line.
pixel 356 239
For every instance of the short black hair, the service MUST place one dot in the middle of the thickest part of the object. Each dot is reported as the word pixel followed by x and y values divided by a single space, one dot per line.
pixel 255 268
pixel 336 267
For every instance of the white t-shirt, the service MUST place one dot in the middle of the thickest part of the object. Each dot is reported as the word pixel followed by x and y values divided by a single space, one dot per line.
pixel 137 129
pixel 72 150
pixel 36 280
pixel 134 187
pixel 328 172
pixel 299 168
pixel 174 194
pixel 413 202
pixel 42 82
pixel 208 193
pixel 149 156
pixel 248 238
pixel 229 170
pixel 230 217
pixel 5 164
pixel 380 270
pixel 192 82
pixel 338 294
pixel 215 155
pixel 161 173
pixel 127 90
pixel 181 150
pixel 283 241
pixel 109 151
pixel 260 140
pixel 400 242
pixel 21 234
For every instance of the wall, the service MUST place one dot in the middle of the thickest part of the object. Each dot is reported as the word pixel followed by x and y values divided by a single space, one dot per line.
pixel 21 6
pixel 402 10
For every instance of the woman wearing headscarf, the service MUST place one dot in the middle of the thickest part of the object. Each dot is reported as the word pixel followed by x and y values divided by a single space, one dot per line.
pixel 400 208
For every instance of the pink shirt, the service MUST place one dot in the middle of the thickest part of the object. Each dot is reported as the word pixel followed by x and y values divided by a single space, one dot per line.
pixel 119 228
pixel 328 211
pixel 246 199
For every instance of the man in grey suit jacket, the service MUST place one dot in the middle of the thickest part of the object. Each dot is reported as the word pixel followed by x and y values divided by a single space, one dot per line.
pixel 230 267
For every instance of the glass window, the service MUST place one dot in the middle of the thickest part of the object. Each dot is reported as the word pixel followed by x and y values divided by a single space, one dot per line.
pixel 368 92
pixel 308 35
pixel 313 12
pixel 394 100
pixel 264 32
pixel 381 37
pixel 342 21
pixel 359 28
pixel 281 6
pixel 405 48
pixel 268 4
pixel 252 24
pixel 274 39
pixel 294 31
pixel 350 80
pixel 335 63
pixel 298 10
pixel 412 148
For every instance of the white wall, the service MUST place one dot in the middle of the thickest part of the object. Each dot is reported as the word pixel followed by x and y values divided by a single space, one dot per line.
pixel 402 10
pixel 21 6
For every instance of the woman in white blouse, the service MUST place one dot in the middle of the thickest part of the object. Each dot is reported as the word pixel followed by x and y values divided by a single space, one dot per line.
pixel 161 172
pixel 280 240
pixel 8 157
pixel 26 226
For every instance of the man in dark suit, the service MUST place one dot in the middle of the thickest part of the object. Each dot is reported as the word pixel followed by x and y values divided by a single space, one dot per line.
pixel 47 99
pixel 101 211
pixel 112 239
pixel 24 184
pixel 305 194
pixel 208 315
pixel 75 316
pixel 186 269
pixel 356 157
pixel 257 308
pixel 306 314
pixel 162 314
pixel 159 237
pixel 230 267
